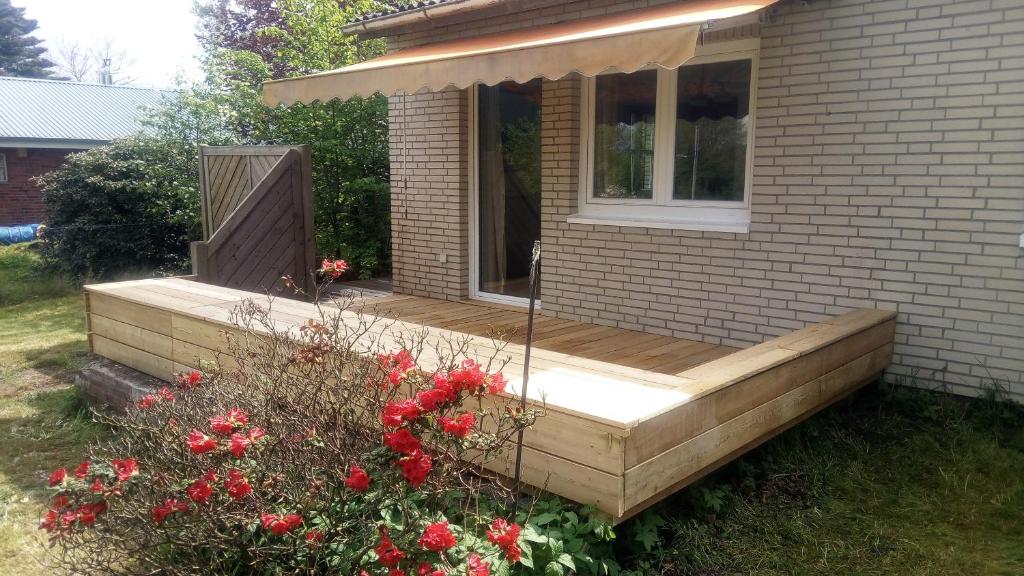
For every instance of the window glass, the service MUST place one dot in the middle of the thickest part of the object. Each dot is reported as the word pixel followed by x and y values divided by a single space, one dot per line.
pixel 712 116
pixel 3 168
pixel 624 135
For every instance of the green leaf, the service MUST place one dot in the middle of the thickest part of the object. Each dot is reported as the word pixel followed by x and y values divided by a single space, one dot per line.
pixel 527 557
pixel 546 518
pixel 531 534
pixel 566 560
pixel 554 569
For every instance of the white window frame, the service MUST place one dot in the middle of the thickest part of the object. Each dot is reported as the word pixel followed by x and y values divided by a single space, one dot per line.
pixel 662 211
pixel 3 168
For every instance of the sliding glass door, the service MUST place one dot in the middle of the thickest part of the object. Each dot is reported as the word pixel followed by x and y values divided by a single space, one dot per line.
pixel 508 188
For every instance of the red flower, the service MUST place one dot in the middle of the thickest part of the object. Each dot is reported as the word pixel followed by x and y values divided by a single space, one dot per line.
pixel 58 476
pixel 189 380
pixel 396 572
pixel 358 479
pixel 126 468
pixel 86 514
pixel 281 524
pixel 505 535
pixel 237 485
pixel 437 537
pixel 60 501
pixel 239 443
pixel 495 383
pixel 426 569
pixel 83 470
pixel 397 365
pixel 210 476
pixel 97 486
pixel 165 394
pixel 477 567
pixel 402 441
pixel 333 268
pixel 49 520
pixel 430 399
pixel 398 413
pixel 220 425
pixel 415 468
pixel 147 401
pixel 314 538
pixel 458 426
pixel 199 491
pixel 468 376
pixel 255 433
pixel 387 553
pixel 200 443
pixel 170 506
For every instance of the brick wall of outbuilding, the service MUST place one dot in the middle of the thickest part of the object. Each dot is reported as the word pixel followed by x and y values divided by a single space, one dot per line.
pixel 889 172
pixel 21 202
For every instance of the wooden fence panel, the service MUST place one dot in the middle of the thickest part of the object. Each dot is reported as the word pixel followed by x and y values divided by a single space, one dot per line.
pixel 257 217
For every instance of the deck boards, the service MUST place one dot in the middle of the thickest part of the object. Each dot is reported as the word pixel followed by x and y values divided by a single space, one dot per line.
pixel 631 417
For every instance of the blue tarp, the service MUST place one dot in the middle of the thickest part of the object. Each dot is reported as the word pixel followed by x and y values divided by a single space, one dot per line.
pixel 17 234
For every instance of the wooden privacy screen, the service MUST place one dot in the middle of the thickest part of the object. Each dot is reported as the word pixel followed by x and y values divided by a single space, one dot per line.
pixel 257 204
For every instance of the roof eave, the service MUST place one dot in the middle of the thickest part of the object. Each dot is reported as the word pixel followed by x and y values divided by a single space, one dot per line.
pixel 375 27
pixel 58 143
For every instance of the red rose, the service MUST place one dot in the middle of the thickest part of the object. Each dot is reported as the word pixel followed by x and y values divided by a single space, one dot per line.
pixel 430 399
pixel 280 525
pixel 495 383
pixel 387 553
pixel 402 441
pixel 238 444
pixel 477 567
pixel 220 425
pixel 58 476
pixel 97 486
pixel 49 520
pixel 189 380
pixel 358 479
pixel 415 468
pixel 86 514
pixel 170 506
pixel 437 537
pixel 126 468
pixel 200 443
pixel 83 470
pixel 398 413
pixel 60 501
pixel 165 394
pixel 468 376
pixel 458 426
pixel 199 491
pixel 505 535
pixel 425 569
pixel 314 538
pixel 147 402
pixel 397 365
pixel 237 485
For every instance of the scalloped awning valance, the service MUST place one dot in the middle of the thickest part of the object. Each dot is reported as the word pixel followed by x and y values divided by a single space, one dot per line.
pixel 665 36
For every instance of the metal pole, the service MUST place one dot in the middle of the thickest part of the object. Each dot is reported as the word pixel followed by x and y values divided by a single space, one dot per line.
pixel 534 289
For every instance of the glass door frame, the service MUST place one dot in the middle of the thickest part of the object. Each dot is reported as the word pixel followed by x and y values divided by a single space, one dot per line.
pixel 474 211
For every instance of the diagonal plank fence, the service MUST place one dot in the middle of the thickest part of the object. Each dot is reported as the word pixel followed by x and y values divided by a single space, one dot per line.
pixel 257 210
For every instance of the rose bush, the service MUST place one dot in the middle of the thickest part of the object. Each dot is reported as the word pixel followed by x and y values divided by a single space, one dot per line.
pixel 311 451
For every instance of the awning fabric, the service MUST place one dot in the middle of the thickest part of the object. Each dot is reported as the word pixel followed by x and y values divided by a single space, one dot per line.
pixel 664 35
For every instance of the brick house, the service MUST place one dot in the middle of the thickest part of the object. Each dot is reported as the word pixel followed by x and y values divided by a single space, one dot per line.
pixel 715 170
pixel 45 120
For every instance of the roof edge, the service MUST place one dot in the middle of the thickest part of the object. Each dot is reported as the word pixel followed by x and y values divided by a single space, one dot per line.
pixel 51 143
pixel 375 26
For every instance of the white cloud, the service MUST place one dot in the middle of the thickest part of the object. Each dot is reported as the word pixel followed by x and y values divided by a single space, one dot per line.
pixel 158 35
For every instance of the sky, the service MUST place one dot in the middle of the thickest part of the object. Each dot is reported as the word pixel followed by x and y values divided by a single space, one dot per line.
pixel 158 35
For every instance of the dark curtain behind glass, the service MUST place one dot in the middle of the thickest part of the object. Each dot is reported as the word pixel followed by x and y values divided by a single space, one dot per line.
pixel 509 185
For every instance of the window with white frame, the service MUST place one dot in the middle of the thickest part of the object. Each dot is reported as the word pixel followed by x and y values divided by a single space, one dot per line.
pixel 3 168
pixel 670 148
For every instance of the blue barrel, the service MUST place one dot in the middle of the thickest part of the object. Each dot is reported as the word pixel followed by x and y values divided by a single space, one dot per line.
pixel 17 234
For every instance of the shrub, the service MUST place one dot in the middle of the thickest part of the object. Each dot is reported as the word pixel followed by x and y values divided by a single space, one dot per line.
pixel 132 205
pixel 316 453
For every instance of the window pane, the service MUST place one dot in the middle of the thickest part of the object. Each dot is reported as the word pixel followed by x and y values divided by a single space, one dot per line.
pixel 509 185
pixel 624 135
pixel 712 117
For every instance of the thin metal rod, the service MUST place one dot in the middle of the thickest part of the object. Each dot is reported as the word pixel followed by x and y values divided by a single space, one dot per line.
pixel 534 289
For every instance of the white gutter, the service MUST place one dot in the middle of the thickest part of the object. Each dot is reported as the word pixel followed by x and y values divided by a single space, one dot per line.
pixel 417 15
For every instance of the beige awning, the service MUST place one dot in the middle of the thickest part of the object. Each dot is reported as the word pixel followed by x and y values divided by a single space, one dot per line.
pixel 664 35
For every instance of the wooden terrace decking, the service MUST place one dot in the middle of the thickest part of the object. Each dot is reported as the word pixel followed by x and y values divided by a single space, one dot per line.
pixel 630 417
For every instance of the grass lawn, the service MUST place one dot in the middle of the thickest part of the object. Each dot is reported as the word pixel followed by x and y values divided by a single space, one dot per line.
pixel 42 423
pixel 893 481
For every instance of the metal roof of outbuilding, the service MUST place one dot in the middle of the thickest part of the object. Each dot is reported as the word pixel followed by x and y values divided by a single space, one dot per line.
pixel 55 111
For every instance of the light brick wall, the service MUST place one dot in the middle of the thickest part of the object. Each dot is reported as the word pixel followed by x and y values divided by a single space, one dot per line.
pixel 429 194
pixel 889 172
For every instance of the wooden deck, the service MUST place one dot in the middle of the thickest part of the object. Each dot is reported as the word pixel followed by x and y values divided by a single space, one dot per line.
pixel 631 417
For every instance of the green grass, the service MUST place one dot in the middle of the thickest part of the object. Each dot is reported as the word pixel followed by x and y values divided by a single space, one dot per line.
pixel 43 424
pixel 893 481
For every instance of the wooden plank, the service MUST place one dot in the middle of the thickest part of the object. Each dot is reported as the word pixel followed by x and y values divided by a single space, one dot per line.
pixel 662 472
pixel 140 315
pixel 140 360
pixel 129 335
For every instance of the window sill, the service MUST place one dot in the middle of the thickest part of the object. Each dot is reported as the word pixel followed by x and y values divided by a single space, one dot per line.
pixel 737 227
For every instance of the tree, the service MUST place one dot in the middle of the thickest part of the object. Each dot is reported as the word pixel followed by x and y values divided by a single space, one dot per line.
pixel 20 52
pixel 239 25
pixel 84 64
